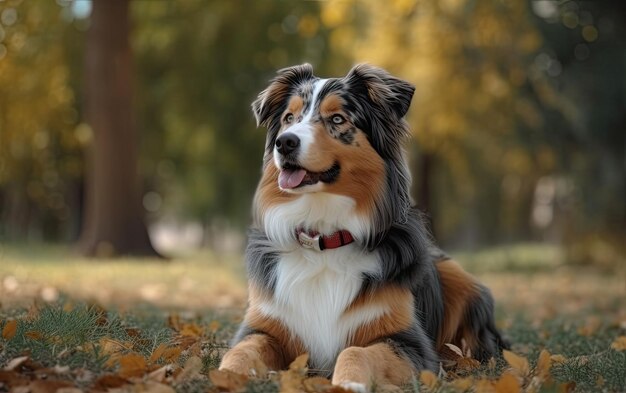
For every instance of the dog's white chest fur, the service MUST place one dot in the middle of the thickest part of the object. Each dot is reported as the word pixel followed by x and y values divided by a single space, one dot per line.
pixel 313 290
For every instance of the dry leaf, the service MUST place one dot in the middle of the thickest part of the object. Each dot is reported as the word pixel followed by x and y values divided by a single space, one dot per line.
pixel 192 330
pixel 34 335
pixel 544 363
pixel 9 330
pixel 315 384
pixel 47 386
pixel 299 364
pixel 214 326
pixel 619 344
pixel 467 364
pixel 191 369
pixel 508 383
pixel 558 359
pixel 160 373
pixel 109 381
pixel 157 353
pixel 15 363
pixel 155 387
pixel 462 384
pixel 228 380
pixel 568 387
pixel 517 363
pixel 132 365
pixel 428 379
pixel 485 386
pixel 455 349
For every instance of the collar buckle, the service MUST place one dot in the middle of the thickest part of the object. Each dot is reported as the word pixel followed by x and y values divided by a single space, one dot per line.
pixel 312 242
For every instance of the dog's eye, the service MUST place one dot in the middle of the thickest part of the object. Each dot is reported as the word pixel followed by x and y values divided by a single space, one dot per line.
pixel 288 118
pixel 337 119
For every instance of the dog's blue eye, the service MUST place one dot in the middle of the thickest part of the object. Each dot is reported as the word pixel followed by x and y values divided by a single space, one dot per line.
pixel 337 119
pixel 288 118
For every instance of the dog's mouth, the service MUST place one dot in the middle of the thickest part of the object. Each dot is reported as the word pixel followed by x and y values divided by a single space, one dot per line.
pixel 293 176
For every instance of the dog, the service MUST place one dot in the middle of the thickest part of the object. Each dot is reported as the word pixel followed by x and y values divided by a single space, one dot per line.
pixel 340 265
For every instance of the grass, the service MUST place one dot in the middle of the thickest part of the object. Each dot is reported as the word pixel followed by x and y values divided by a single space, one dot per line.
pixel 160 325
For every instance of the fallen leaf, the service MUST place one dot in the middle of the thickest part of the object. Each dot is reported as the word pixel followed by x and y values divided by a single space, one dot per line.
pixel 34 335
pixel 462 384
pixel 160 373
pixel 9 330
pixel 15 363
pixel 154 387
pixel 191 369
pixel 109 381
pixel 47 386
pixel 568 387
pixel 619 344
pixel 316 384
pixel 299 364
pixel 544 363
pixel 158 352
pixel 132 365
pixel 428 379
pixel 214 326
pixel 508 383
pixel 485 386
pixel 228 380
pixel 467 364
pixel 192 330
pixel 517 363
pixel 12 379
pixel 455 349
pixel 558 359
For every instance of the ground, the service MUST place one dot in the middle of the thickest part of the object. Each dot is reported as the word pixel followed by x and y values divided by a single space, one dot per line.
pixel 147 325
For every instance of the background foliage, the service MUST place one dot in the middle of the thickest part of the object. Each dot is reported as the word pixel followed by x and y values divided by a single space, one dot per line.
pixel 518 118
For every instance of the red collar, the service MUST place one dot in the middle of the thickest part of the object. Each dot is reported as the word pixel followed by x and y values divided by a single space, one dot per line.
pixel 323 242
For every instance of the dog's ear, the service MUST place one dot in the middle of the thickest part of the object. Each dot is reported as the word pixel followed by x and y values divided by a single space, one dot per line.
pixel 270 103
pixel 389 93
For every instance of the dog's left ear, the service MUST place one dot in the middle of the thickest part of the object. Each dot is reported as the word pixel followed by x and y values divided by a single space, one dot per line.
pixel 384 90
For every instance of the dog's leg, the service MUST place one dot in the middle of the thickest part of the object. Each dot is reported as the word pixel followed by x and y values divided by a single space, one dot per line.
pixel 252 353
pixel 358 368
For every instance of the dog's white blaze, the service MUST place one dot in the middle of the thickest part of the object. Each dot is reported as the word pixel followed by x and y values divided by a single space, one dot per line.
pixel 313 290
pixel 304 128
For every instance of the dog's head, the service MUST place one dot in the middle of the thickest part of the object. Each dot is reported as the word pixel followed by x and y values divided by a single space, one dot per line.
pixel 339 136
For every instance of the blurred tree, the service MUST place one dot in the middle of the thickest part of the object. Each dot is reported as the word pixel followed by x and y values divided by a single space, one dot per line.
pixel 202 64
pixel 40 148
pixel 113 222
pixel 468 61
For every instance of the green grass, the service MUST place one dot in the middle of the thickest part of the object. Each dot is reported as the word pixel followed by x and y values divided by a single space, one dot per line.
pixel 101 311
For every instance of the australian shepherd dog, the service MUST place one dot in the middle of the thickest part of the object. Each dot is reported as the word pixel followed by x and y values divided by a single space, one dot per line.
pixel 340 265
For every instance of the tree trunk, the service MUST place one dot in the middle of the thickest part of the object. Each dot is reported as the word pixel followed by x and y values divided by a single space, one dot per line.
pixel 113 217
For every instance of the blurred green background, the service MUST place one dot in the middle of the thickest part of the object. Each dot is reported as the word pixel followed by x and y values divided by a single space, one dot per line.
pixel 519 117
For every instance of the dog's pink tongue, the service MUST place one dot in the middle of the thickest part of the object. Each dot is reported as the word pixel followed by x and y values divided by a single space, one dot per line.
pixel 290 178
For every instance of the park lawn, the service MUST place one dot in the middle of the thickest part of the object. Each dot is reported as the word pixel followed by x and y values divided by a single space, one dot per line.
pixel 148 325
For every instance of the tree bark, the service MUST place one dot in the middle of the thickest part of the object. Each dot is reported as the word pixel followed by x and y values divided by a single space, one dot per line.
pixel 113 217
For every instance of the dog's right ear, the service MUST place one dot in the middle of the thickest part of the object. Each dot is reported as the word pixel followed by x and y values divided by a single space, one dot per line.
pixel 271 102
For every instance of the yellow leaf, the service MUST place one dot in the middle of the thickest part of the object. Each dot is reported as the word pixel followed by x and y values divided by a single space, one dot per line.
pixel 158 352
pixel 544 363
pixel 191 369
pixel 34 335
pixel 191 330
pixel 299 364
pixel 428 379
pixel 132 365
pixel 619 344
pixel 462 384
pixel 558 359
pixel 8 332
pixel 485 386
pixel 517 363
pixel 568 387
pixel 171 354
pixel 228 380
pixel 508 383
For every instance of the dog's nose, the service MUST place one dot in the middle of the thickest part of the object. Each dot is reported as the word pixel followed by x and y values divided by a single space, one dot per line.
pixel 287 143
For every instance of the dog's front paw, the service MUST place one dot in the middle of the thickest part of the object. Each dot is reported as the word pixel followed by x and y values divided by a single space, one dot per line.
pixel 356 387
